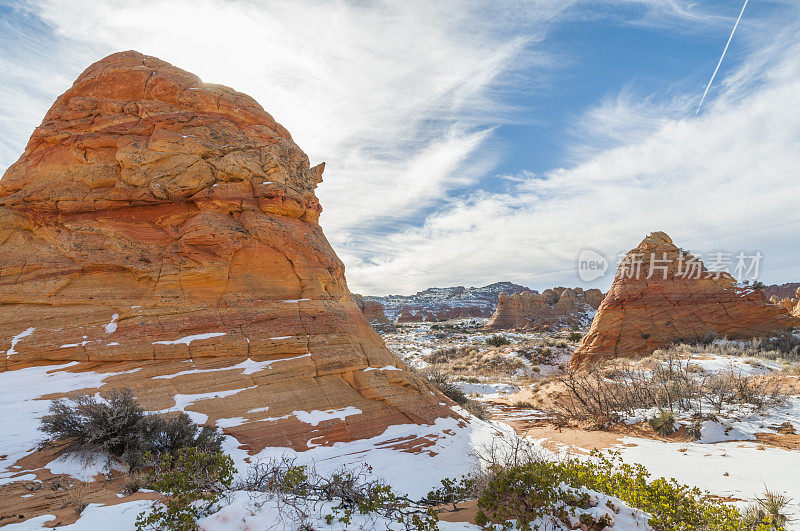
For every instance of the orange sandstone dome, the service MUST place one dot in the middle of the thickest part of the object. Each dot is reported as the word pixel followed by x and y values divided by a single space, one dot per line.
pixel 680 301
pixel 169 227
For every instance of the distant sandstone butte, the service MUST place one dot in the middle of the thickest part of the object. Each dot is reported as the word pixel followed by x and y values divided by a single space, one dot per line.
pixel 373 311
pixel 554 307
pixel 170 226
pixel 796 311
pixel 782 291
pixel 681 301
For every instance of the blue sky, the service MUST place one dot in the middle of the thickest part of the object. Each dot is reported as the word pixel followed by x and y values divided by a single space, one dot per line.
pixel 473 142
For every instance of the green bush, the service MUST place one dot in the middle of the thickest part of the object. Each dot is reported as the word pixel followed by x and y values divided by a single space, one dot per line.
pixel 193 482
pixel 497 340
pixel 575 336
pixel 549 490
pixel 663 423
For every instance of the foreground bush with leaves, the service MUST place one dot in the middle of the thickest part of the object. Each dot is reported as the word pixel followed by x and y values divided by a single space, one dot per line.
pixel 193 482
pixel 119 427
pixel 553 491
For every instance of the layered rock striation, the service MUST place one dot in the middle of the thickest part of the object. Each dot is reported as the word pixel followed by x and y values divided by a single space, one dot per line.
pixel 663 294
pixel 554 307
pixel 169 227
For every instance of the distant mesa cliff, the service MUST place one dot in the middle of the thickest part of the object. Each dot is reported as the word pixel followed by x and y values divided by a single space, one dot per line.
pixel 680 301
pixel 373 311
pixel 441 304
pixel 554 307
pixel 169 227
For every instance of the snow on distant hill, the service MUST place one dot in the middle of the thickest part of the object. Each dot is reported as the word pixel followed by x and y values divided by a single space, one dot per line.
pixel 452 302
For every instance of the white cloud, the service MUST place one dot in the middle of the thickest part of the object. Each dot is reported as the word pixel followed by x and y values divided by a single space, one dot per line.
pixel 726 180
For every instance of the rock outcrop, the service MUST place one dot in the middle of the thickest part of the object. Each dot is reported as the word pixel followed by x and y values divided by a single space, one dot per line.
pixel 373 311
pixel 787 303
pixel 796 311
pixel 782 291
pixel 553 307
pixel 168 227
pixel 677 299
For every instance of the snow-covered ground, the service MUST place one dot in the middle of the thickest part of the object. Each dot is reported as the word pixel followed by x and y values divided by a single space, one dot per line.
pixel 738 470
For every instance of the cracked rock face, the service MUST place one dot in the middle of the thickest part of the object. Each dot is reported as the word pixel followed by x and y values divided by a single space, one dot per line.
pixel 680 301
pixel 530 310
pixel 162 223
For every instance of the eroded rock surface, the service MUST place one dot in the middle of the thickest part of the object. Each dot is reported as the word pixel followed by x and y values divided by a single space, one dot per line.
pixel 680 301
pixel 553 307
pixel 168 227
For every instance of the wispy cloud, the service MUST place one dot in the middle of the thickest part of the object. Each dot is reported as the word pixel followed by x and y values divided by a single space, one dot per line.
pixel 726 180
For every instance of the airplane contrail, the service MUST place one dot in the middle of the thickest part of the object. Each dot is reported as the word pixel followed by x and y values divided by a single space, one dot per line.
pixel 710 81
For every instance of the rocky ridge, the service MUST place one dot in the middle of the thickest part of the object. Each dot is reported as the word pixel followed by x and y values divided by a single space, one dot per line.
pixel 440 304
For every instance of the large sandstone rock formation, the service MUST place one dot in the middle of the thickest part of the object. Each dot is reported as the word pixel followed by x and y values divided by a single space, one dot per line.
pixel 553 307
pixel 169 227
pixel 681 301
pixel 373 311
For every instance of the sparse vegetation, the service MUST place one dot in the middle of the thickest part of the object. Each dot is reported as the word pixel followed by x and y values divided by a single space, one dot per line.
pixel 610 393
pixel 768 512
pixel 498 340
pixel 336 497
pixel 193 482
pixel 443 383
pixel 553 491
pixel 663 422
pixel 76 497
pixel 119 428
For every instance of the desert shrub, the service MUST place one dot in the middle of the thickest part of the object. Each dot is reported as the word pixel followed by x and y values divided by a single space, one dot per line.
pixel 768 512
pixel 786 346
pixel 497 340
pixel 606 394
pixel 447 354
pixel 575 336
pixel 443 383
pixel 193 482
pixel 119 427
pixel 302 490
pixel 476 409
pixel 663 422
pixel 523 404
pixel 553 491
pixel 76 497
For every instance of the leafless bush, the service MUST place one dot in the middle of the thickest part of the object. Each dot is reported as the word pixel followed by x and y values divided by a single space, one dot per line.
pixel 785 346
pixel 302 493
pixel 608 394
pixel 76 497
